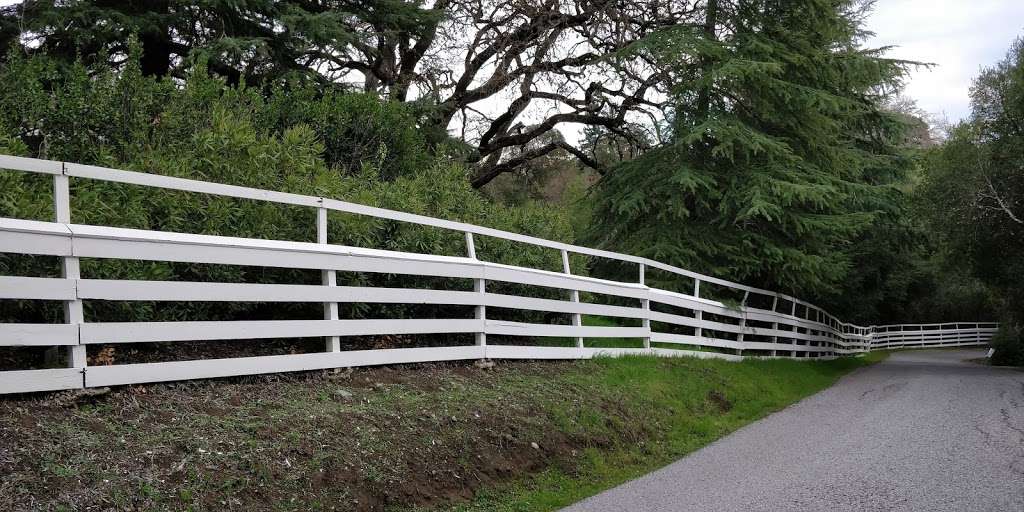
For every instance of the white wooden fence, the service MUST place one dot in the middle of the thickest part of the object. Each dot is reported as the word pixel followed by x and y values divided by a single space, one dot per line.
pixel 764 324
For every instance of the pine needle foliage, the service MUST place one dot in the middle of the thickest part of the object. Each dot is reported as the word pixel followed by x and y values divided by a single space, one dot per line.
pixel 782 154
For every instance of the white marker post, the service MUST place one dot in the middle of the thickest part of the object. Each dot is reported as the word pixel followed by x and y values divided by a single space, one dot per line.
pixel 70 269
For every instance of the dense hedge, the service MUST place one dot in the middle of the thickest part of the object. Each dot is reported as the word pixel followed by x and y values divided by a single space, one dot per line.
pixel 339 145
pixel 1008 345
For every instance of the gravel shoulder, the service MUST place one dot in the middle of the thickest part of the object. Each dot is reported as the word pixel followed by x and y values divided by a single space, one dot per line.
pixel 923 430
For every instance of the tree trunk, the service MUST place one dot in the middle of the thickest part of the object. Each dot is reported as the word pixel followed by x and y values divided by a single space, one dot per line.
pixel 704 96
pixel 156 54
pixel 156 39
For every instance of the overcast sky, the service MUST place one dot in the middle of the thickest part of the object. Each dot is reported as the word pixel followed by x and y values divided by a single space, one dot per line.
pixel 959 36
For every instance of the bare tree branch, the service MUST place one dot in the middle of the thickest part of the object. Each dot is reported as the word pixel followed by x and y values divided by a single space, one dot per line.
pixel 546 63
pixel 1001 205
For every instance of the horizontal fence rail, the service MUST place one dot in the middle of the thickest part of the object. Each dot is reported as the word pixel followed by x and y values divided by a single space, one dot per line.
pixel 763 324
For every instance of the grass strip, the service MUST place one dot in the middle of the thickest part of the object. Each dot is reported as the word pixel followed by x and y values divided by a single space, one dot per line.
pixel 522 436
pixel 687 410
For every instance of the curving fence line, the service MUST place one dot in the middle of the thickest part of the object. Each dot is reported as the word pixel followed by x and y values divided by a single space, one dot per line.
pixel 667 323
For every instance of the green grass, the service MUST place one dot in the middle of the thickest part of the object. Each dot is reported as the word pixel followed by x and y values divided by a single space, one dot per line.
pixel 603 321
pixel 672 398
pixel 596 321
pixel 522 436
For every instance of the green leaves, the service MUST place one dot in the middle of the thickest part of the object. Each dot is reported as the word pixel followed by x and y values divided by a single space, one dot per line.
pixel 336 145
pixel 972 194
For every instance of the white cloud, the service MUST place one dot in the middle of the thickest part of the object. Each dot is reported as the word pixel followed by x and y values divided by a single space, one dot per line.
pixel 958 36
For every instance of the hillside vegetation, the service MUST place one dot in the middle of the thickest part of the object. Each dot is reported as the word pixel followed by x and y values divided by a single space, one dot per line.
pixel 518 436
pixel 758 141
pixel 761 142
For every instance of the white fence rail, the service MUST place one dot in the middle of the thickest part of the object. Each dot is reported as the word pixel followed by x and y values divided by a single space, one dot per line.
pixel 698 326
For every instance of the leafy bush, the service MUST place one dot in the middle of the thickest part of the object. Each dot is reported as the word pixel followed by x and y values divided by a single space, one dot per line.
pixel 1009 346
pixel 209 131
pixel 85 114
pixel 78 114
pixel 356 128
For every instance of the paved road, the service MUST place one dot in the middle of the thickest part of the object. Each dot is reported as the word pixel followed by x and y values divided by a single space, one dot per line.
pixel 922 431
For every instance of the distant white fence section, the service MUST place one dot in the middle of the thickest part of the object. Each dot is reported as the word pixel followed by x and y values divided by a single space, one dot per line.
pixel 774 325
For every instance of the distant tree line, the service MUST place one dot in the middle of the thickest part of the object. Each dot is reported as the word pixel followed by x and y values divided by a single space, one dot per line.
pixel 972 195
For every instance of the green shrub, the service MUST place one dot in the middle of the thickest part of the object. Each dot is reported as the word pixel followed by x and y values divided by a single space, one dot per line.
pixel 356 129
pixel 82 114
pixel 208 131
pixel 1009 346
pixel 77 114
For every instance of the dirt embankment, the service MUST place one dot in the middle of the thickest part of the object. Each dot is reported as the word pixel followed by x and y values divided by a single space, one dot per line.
pixel 363 440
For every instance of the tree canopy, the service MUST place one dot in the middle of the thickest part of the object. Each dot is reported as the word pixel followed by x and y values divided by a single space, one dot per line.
pixel 755 140
pixel 501 74
pixel 781 156
pixel 973 192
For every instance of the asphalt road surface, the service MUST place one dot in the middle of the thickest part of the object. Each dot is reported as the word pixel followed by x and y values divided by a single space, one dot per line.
pixel 921 431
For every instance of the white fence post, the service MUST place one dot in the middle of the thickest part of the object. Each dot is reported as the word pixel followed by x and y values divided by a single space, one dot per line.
pixel 792 353
pixel 328 278
pixel 70 269
pixel 645 304
pixel 479 286
pixel 775 325
pixel 743 321
pixel 698 314
pixel 574 296
pixel 816 343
